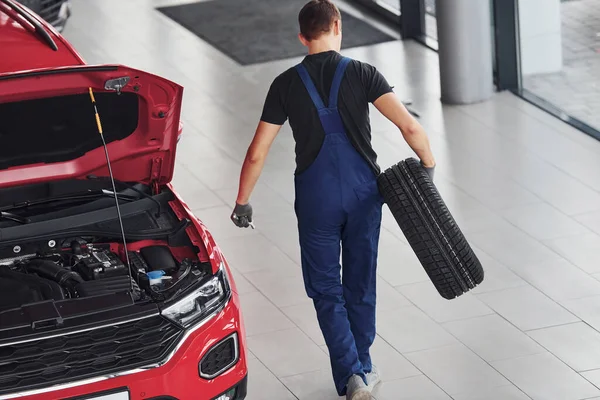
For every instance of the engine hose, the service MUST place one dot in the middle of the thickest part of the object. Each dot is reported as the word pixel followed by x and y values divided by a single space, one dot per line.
pixel 53 271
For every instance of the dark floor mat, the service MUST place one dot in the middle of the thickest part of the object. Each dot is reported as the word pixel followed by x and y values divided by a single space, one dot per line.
pixel 257 31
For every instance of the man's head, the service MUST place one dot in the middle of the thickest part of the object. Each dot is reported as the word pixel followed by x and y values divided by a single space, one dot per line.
pixel 320 26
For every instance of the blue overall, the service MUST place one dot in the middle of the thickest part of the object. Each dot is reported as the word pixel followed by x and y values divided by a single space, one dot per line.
pixel 338 207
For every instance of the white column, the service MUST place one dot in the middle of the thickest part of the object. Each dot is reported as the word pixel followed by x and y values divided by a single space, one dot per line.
pixel 465 50
pixel 540 34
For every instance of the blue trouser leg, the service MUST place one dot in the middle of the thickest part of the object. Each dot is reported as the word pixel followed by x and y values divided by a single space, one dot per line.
pixel 320 236
pixel 360 239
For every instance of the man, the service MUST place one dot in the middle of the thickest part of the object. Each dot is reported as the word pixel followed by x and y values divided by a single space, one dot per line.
pixel 326 99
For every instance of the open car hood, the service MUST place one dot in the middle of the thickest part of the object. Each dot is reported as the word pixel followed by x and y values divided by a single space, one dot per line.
pixel 48 128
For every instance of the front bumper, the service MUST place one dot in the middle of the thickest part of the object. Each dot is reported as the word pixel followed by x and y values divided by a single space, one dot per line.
pixel 177 379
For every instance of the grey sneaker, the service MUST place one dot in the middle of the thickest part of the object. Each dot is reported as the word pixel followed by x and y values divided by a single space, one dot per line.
pixel 356 389
pixel 373 378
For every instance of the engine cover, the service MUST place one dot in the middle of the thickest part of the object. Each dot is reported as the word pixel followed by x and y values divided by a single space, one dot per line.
pixel 17 289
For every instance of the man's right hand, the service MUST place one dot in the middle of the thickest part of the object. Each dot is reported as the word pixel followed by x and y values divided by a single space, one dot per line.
pixel 430 170
pixel 242 215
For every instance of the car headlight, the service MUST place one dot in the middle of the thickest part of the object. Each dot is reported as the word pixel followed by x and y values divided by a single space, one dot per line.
pixel 202 302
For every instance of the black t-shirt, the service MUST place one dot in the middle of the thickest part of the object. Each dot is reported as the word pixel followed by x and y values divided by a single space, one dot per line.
pixel 288 98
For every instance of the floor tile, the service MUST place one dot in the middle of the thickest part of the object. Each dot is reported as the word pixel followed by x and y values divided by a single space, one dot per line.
pixel 193 192
pixel 543 222
pixel 409 329
pixel 288 352
pixel 499 197
pixel 493 338
pixel 578 345
pixel 283 287
pixel 593 376
pixel 581 250
pixel 398 265
pixel 456 369
pixel 527 308
pixel 544 377
pixel 392 365
pixel 511 247
pixel 242 284
pixel 588 309
pixel 559 280
pixel 254 252
pixel 264 385
pixel 415 388
pixel 591 220
pixel 426 297
pixel 224 172
pixel 499 393
pixel 389 298
pixel 316 385
pixel 261 316
pixel 496 275
pixel 305 317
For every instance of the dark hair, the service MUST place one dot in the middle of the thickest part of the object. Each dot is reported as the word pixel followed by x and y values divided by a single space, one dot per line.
pixel 317 17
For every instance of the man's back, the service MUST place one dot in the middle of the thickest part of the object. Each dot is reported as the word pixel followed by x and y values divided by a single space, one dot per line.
pixel 288 99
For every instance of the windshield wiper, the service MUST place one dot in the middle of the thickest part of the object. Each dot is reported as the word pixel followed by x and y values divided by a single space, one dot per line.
pixel 131 187
pixel 13 217
pixel 89 195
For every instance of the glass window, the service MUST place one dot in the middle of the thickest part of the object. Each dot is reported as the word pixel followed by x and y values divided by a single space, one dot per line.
pixel 394 4
pixel 430 21
pixel 560 55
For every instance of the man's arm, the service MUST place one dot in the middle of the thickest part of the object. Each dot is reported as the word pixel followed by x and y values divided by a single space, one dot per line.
pixel 392 108
pixel 255 159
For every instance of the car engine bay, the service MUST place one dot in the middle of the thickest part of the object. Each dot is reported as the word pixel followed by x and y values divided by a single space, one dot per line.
pixel 77 268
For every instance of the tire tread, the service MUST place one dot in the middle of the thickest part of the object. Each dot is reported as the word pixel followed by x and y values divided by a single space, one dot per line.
pixel 430 229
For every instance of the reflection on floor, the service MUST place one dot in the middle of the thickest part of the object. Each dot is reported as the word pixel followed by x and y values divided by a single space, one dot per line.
pixel 524 188
pixel 576 89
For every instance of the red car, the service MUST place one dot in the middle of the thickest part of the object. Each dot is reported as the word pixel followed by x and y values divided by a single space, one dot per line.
pixel 107 292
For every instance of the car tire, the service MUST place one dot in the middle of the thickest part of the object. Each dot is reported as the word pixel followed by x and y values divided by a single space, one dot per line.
pixel 430 229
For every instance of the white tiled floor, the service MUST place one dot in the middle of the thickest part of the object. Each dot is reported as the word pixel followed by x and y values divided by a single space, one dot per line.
pixel 523 186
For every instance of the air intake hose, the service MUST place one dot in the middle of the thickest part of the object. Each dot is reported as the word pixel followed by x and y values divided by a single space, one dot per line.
pixel 55 272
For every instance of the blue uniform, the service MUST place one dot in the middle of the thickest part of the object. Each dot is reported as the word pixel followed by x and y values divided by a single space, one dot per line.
pixel 338 207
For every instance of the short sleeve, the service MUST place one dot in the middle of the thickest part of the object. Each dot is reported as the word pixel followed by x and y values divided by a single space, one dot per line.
pixel 274 108
pixel 374 83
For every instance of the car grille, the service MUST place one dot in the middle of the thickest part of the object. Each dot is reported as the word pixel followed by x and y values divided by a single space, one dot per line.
pixel 220 358
pixel 93 353
pixel 49 9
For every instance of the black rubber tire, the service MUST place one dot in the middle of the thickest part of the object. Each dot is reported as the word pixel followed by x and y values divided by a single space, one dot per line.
pixel 430 229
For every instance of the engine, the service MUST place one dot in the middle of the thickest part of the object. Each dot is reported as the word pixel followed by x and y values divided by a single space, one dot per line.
pixel 78 269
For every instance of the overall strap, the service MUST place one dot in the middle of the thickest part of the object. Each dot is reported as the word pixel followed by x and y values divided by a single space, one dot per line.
pixel 337 81
pixel 310 86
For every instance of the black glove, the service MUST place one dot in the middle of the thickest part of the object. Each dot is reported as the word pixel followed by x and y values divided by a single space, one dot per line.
pixel 242 215
pixel 430 171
